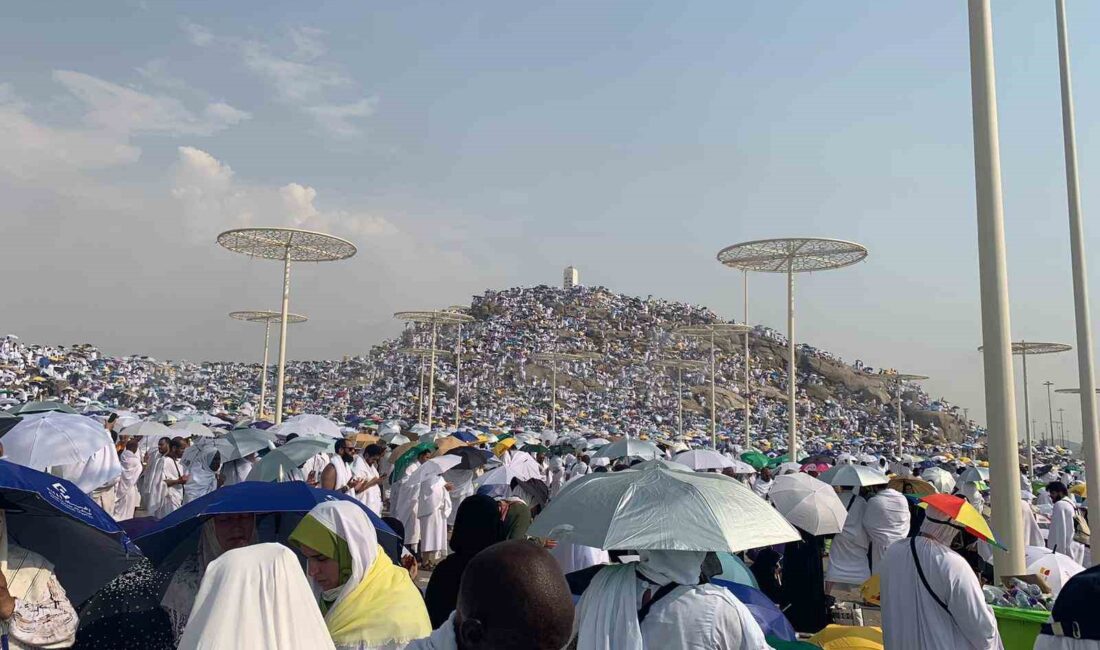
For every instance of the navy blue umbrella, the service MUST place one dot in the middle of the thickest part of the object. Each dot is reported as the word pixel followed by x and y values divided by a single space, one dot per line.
pixel 767 613
pixel 465 436
pixel 52 517
pixel 165 543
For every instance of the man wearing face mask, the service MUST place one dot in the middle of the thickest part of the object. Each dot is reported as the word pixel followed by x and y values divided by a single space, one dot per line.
pixel 931 599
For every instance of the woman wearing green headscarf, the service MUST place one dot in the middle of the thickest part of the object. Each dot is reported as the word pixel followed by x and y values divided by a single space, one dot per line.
pixel 368 602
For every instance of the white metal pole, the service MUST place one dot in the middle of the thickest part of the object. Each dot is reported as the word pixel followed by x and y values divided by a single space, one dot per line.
pixel 1027 418
pixel 431 376
pixel 713 410
pixel 792 372
pixel 282 341
pixel 1050 411
pixel 263 369
pixel 900 445
pixel 680 401
pixel 1090 442
pixel 554 394
pixel 993 275
pixel 458 376
pixel 748 410
pixel 420 394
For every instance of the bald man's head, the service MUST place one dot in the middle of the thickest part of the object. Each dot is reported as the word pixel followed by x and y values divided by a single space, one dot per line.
pixel 513 597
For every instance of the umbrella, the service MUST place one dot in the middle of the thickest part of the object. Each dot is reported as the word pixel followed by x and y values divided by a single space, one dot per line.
pixel 154 430
pixel 49 439
pixel 941 479
pixel 504 445
pixel 1055 568
pixel 7 421
pixel 242 442
pixel 809 504
pixel 281 462
pixel 853 476
pixel 52 517
pixel 820 468
pixel 389 428
pixel 192 429
pixel 502 475
pixel 445 444
pixel 524 466
pixel 661 462
pixel 406 458
pixel 767 613
pixel 756 459
pixel 166 416
pixel 960 510
pixel 630 448
pixel 975 474
pixel 788 468
pixel 465 436
pixel 596 443
pixel 734 570
pixel 914 486
pixel 431 468
pixel 166 540
pixel 397 439
pixel 310 425
pixel 848 637
pixel 471 458
pixel 537 490
pixel 703 459
pixel 535 449
pixel 29 408
pixel 657 508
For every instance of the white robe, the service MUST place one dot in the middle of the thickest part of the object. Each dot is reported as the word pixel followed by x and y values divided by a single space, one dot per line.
pixel 1033 535
pixel 98 472
pixel 372 496
pixel 848 561
pixel 1060 538
pixel 154 478
pixel 406 504
pixel 433 509
pixel 126 495
pixel 911 618
pixel 463 482
pixel 315 465
pixel 576 557
pixel 885 521
pixel 171 470
pixel 343 472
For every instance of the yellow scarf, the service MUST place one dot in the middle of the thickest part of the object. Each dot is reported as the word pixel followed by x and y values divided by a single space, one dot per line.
pixel 384 607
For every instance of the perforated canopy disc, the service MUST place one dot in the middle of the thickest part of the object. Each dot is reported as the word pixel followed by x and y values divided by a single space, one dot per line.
pixel 682 364
pixel 425 352
pixel 565 356
pixel 797 254
pixel 439 317
pixel 1033 347
pixel 266 317
pixel 715 329
pixel 1072 391
pixel 283 243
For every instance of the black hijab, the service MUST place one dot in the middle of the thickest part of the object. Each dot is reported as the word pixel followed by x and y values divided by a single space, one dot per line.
pixel 477 527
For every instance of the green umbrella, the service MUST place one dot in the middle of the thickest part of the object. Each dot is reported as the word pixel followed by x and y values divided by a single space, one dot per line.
pixel 535 449
pixel 408 457
pixel 779 460
pixel 756 459
pixel 41 407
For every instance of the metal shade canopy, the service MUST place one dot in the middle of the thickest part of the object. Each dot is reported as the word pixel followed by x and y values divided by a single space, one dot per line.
pixel 288 245
pixel 267 318
pixel 899 378
pixel 792 255
pixel 436 318
pixel 554 358
pixel 713 331
pixel 1024 349
pixel 680 365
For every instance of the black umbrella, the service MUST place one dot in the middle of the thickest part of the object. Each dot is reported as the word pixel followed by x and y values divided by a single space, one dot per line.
pixel 471 458
pixel 7 421
pixel 537 489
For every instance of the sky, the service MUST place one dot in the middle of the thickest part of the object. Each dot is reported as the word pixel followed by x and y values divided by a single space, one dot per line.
pixel 476 145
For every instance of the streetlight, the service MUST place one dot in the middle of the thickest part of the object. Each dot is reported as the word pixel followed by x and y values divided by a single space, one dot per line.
pixel 435 318
pixel 681 365
pixel 288 245
pixel 900 379
pixel 458 309
pixel 553 358
pixel 267 318
pixel 422 354
pixel 712 331
pixel 790 256
pixel 1023 349
pixel 1050 410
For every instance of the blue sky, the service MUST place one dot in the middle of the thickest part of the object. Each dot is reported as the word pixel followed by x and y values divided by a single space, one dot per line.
pixel 464 146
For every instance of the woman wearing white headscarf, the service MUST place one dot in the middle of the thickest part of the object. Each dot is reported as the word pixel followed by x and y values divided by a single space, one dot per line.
pixel 204 474
pixel 255 597
pixel 368 602
pixel 659 603
pixel 34 610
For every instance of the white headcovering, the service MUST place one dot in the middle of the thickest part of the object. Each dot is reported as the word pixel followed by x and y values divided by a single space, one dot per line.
pixel 348 522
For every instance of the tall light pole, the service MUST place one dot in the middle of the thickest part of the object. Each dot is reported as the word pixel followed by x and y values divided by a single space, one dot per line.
pixel 435 319
pixel 993 281
pixel 458 309
pixel 553 358
pixel 712 332
pixel 900 379
pixel 1050 410
pixel 681 365
pixel 1090 437
pixel 267 318
pixel 1062 425
pixel 748 388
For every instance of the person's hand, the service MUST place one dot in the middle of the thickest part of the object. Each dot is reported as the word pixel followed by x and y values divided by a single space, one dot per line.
pixel 7 603
pixel 549 543
pixel 448 487
pixel 184 479
pixel 409 562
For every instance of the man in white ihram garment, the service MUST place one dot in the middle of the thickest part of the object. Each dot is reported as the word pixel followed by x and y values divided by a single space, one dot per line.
pixel 173 477
pixel 126 492
pixel 1060 537
pixel 433 511
pixel 406 505
pixel 619 595
pixel 848 562
pixel 885 521
pixel 950 612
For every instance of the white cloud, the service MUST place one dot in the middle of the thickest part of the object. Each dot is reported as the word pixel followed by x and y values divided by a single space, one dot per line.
pixel 337 119
pixel 308 45
pixel 125 111
pixel 197 34
pixel 295 82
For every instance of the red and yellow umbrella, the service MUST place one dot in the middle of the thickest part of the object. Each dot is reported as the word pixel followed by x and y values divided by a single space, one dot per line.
pixel 964 514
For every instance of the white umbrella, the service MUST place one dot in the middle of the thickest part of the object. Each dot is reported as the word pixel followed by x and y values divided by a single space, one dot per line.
pixel 150 429
pixel 667 464
pixel 853 476
pixel 941 479
pixel 125 420
pixel 44 440
pixel 1055 568
pixel 388 428
pixel 432 467
pixel 523 466
pixel 788 468
pixel 419 429
pixel 310 425
pixel 703 459
pixel 741 467
pixel 809 504
pixel 975 474
pixel 659 508
pixel 597 442
pixel 396 439
pixel 499 476
pixel 192 429
pixel 630 448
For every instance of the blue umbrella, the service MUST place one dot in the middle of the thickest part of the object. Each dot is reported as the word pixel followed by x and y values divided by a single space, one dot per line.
pixel 165 541
pixel 734 570
pixel 52 517
pixel 766 613
pixel 465 436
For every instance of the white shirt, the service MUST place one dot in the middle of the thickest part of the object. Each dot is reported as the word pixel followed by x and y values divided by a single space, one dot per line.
pixel 702 617
pixel 911 618
pixel 848 561
pixel 1060 538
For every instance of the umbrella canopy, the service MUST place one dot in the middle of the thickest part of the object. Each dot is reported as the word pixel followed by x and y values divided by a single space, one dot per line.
pixel 661 462
pixel 167 537
pixel 447 443
pixel 788 468
pixel 51 516
pixel 154 430
pixel 524 466
pixel 735 570
pixel 809 504
pixel 162 416
pixel 657 508
pixel 502 475
pixel 281 462
pixel 44 440
pixel 853 476
pixel 820 468
pixel 535 449
pixel 471 458
pixel 242 442
pixel 975 474
pixel 848 637
pixel 756 459
pixel 703 459
pixel 914 486
pixel 771 619
pixel 192 429
pixel 941 479
pixel 465 436
pixel 7 421
pixel 431 468
pixel 960 510
pixel 1055 568
pixel 310 425
pixel 397 439
pixel 596 443
pixel 630 448
pixel 28 408
pixel 504 445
